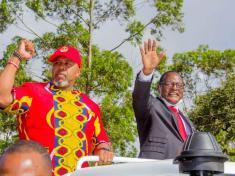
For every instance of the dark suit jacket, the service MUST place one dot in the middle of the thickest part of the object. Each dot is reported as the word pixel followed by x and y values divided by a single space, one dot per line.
pixel 158 133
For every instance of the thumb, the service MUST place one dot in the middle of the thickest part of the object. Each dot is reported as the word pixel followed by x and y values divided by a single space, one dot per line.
pixel 162 55
pixel 21 45
pixel 141 51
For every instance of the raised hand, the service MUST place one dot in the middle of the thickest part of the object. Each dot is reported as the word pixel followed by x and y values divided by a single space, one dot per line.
pixel 26 49
pixel 150 58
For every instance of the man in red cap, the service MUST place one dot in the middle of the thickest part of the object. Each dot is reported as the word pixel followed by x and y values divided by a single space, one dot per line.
pixel 64 120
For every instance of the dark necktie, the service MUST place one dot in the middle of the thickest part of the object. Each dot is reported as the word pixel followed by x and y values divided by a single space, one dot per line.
pixel 181 127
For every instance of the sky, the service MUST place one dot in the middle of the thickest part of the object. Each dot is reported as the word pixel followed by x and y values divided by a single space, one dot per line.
pixel 208 22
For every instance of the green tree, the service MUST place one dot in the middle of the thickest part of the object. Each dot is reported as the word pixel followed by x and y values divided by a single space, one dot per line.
pixel 106 75
pixel 215 113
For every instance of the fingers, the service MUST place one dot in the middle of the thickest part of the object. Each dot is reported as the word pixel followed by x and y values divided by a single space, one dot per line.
pixel 145 47
pixel 26 48
pixel 21 45
pixel 29 47
pixel 154 46
pixel 105 157
pixel 162 55
pixel 150 57
pixel 149 46
pixel 142 52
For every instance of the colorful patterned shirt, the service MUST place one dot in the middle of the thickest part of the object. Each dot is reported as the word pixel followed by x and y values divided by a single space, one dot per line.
pixel 68 123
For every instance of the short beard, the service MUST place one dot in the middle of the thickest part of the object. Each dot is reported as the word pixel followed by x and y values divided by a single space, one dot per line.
pixel 61 84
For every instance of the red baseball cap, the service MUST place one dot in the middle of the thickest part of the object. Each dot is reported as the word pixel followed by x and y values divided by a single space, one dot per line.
pixel 68 52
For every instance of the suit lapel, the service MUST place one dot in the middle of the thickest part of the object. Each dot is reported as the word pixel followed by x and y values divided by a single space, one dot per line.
pixel 188 121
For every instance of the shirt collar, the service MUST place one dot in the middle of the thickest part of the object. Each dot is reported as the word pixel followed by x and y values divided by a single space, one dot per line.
pixel 170 104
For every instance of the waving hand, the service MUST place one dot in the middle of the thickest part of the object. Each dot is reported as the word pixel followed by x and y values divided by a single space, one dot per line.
pixel 150 57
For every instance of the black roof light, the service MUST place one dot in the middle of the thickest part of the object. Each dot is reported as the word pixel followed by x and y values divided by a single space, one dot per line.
pixel 201 155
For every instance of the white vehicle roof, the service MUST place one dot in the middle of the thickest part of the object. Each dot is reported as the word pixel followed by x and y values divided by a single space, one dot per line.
pixel 138 167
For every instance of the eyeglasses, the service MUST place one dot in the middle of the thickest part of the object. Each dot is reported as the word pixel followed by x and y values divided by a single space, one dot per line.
pixel 172 84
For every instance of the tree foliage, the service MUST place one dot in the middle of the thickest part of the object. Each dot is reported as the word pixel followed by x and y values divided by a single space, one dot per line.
pixel 106 75
pixel 167 14
pixel 5 18
pixel 215 113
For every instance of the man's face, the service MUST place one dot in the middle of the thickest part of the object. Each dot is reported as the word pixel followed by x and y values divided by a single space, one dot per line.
pixel 172 88
pixel 64 72
pixel 24 164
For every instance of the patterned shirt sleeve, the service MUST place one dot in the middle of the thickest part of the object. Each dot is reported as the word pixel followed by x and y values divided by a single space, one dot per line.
pixel 100 133
pixel 22 100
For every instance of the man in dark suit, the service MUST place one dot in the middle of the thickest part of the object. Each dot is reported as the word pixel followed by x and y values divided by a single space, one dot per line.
pixel 162 128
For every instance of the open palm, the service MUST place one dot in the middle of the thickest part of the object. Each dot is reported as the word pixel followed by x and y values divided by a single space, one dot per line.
pixel 150 58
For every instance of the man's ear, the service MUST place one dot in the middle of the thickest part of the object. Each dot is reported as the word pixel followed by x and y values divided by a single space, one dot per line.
pixel 78 73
